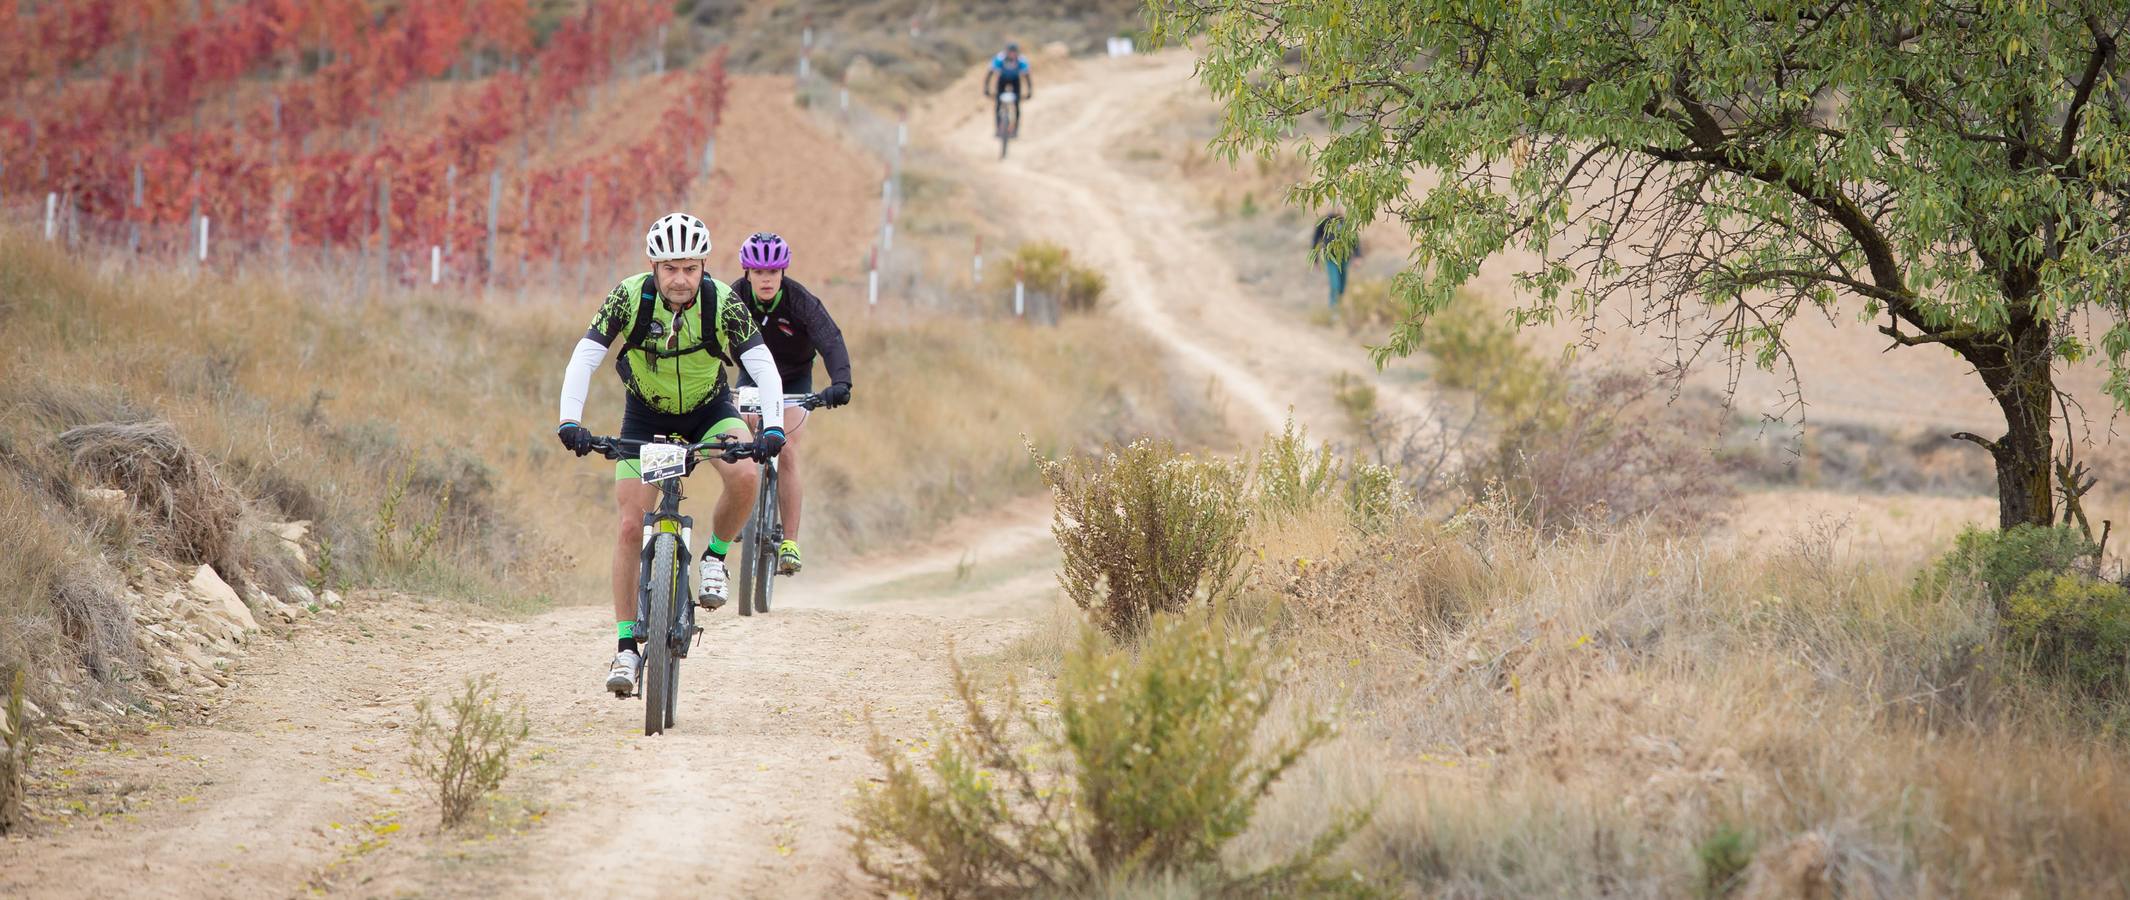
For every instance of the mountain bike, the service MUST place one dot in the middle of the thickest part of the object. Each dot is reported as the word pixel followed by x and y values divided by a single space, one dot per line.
pixel 1006 119
pixel 764 532
pixel 665 607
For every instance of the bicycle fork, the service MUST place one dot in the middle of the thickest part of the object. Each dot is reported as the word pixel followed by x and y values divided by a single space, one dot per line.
pixel 683 595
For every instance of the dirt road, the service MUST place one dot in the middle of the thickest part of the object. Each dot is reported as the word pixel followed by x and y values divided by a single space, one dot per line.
pixel 1066 182
pixel 298 782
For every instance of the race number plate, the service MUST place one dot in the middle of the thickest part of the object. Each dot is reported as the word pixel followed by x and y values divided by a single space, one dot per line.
pixel 748 398
pixel 663 461
pixel 1007 96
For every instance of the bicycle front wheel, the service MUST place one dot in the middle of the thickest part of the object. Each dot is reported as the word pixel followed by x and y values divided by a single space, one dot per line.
pixel 660 669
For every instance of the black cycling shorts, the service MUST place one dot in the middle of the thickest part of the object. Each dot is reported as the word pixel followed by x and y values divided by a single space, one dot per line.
pixel 639 422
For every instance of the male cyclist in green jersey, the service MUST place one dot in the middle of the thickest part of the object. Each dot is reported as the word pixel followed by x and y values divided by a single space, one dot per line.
pixel 678 329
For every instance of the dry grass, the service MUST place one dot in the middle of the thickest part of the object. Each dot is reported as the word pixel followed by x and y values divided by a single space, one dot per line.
pixel 942 405
pixel 373 415
pixel 1615 713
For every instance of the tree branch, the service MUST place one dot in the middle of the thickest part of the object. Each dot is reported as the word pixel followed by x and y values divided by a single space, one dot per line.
pixel 1983 442
pixel 1866 288
pixel 2103 48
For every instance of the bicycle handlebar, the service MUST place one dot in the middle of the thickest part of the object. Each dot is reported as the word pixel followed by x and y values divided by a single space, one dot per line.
pixel 804 401
pixel 727 449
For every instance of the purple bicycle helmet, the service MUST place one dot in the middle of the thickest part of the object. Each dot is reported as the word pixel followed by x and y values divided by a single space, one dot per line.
pixel 765 251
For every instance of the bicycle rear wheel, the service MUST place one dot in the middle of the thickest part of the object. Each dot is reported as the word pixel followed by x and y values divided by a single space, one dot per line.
pixel 660 669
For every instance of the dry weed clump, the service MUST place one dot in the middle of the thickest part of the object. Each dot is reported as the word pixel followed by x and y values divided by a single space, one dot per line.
pixel 464 755
pixel 1151 766
pixel 191 512
pixel 1146 530
pixel 17 742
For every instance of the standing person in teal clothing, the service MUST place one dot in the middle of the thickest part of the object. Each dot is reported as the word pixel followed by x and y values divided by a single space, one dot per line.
pixel 1324 247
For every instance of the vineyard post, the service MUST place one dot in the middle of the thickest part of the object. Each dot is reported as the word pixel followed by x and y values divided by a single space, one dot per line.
pixel 495 208
pixel 282 194
pixel 451 204
pixel 660 59
pixel 872 279
pixel 51 215
pixel 384 228
pixel 709 155
pixel 203 239
pixel 436 264
pixel 133 234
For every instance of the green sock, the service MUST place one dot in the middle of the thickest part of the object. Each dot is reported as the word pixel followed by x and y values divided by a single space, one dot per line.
pixel 718 546
pixel 625 630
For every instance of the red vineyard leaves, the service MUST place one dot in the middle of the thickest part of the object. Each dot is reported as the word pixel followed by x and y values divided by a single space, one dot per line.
pixel 114 156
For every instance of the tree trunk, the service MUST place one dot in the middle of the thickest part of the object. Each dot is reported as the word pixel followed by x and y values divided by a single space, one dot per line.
pixel 2021 378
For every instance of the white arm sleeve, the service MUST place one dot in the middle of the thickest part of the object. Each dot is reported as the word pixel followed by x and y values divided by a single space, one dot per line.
pixel 577 379
pixel 770 385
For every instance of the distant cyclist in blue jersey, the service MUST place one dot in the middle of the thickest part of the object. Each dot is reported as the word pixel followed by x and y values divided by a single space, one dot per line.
pixel 1009 72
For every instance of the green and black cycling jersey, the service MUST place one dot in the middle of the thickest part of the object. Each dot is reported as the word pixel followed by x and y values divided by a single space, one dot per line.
pixel 796 325
pixel 677 361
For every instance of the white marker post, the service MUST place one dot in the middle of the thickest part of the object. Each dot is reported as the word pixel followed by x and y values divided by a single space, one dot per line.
pixel 436 263
pixel 902 133
pixel 977 264
pixel 51 215
pixel 203 238
pixel 872 279
pixel 1019 298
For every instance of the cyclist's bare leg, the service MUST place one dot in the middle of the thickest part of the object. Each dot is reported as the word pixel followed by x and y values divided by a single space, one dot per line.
pixel 737 498
pixel 632 498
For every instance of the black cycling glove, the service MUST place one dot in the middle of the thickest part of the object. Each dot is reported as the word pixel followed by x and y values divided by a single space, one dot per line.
pixel 770 443
pixel 575 438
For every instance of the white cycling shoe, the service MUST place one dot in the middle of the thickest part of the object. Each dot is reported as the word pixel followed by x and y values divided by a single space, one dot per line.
pixel 621 679
pixel 713 593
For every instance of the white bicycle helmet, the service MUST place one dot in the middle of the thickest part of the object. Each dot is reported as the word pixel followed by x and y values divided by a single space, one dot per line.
pixel 677 236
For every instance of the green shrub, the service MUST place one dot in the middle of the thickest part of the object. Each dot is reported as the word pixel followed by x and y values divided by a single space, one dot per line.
pixel 1375 494
pixel 465 755
pixel 1146 530
pixel 2002 561
pixel 1291 474
pixel 1147 770
pixel 1048 269
pixel 1355 396
pixel 1724 856
pixel 16 744
pixel 2077 626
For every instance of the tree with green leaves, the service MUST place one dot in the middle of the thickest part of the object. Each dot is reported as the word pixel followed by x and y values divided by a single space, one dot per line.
pixel 1953 173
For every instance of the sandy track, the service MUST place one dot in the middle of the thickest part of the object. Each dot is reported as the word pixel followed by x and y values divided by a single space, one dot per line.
pixel 1166 274
pixel 298 779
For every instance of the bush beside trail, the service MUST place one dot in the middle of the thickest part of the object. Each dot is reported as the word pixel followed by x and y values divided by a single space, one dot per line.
pixel 1733 721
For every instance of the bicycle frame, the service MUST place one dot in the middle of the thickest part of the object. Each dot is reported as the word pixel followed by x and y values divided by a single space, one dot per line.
pixel 666 519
